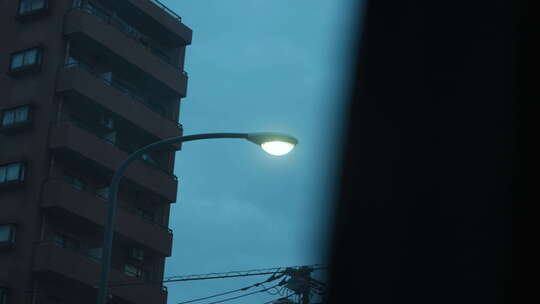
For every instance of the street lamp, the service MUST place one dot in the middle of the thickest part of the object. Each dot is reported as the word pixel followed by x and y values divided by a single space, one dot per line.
pixel 273 143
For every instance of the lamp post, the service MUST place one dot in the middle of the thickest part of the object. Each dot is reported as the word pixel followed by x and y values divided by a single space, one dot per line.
pixel 272 143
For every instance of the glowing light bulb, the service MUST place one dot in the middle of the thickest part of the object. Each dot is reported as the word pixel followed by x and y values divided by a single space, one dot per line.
pixel 277 148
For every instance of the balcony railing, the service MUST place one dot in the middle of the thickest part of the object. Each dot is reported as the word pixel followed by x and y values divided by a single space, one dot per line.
pixel 166 9
pixel 86 254
pixel 122 206
pixel 129 31
pixel 95 130
pixel 124 88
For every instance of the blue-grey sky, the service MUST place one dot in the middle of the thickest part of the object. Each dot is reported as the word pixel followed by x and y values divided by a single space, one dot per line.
pixel 255 66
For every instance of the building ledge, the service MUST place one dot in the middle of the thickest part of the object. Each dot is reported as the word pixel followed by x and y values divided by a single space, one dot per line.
pixel 58 194
pixel 70 264
pixel 67 137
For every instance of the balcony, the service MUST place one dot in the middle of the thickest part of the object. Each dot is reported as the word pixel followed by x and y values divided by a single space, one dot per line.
pixel 64 199
pixel 167 10
pixel 156 10
pixel 86 27
pixel 53 262
pixel 80 81
pixel 70 138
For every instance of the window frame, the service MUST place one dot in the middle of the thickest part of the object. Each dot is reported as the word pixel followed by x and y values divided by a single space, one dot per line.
pixel 104 188
pixel 75 181
pixel 95 253
pixel 150 159
pixel 139 273
pixel 28 68
pixel 137 254
pixel 145 213
pixel 16 124
pixel 65 241
pixel 21 174
pixel 32 12
pixel 12 238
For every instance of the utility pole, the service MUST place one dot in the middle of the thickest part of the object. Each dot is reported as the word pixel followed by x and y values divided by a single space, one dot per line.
pixel 302 283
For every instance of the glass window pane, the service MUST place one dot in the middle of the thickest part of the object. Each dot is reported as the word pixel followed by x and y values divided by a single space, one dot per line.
pixel 59 240
pixel 21 114
pixel 21 178
pixel 3 171
pixel 25 6
pixel 137 253
pixel 72 61
pixel 103 192
pixel 38 4
pixel 76 182
pixel 130 270
pixel 5 232
pixel 13 171
pixel 30 57
pixel 9 118
pixel 16 61
pixel 38 57
pixel 95 253
pixel 107 76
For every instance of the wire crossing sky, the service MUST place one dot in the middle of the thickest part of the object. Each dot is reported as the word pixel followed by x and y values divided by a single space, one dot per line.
pixel 219 275
pixel 258 66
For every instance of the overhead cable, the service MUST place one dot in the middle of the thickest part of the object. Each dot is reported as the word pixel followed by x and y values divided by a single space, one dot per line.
pixel 272 278
pixel 217 275
pixel 238 273
pixel 282 298
pixel 241 296
pixel 219 294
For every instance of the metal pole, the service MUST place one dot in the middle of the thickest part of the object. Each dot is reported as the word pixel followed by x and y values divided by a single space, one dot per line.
pixel 113 191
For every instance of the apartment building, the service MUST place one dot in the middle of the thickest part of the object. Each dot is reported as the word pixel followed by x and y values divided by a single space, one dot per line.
pixel 82 84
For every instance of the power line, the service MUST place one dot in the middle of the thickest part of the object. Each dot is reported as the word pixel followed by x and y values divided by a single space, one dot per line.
pixel 245 295
pixel 220 294
pixel 218 275
pixel 275 293
pixel 272 278
pixel 282 298
pixel 238 273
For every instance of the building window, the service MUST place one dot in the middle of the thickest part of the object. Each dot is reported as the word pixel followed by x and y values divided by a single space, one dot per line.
pixel 28 7
pixel 137 254
pixel 145 214
pixel 149 159
pixel 15 117
pixel 76 182
pixel 65 241
pixel 95 253
pixel 106 122
pixel 7 234
pixel 158 108
pixel 13 172
pixel 134 271
pixel 103 193
pixel 29 59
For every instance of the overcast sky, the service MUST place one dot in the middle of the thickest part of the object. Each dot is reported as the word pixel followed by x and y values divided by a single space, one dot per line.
pixel 255 66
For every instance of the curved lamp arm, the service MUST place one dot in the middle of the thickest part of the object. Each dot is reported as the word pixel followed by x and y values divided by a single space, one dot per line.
pixel 257 138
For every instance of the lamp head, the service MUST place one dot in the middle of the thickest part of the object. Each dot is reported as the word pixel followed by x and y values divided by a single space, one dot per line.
pixel 273 143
